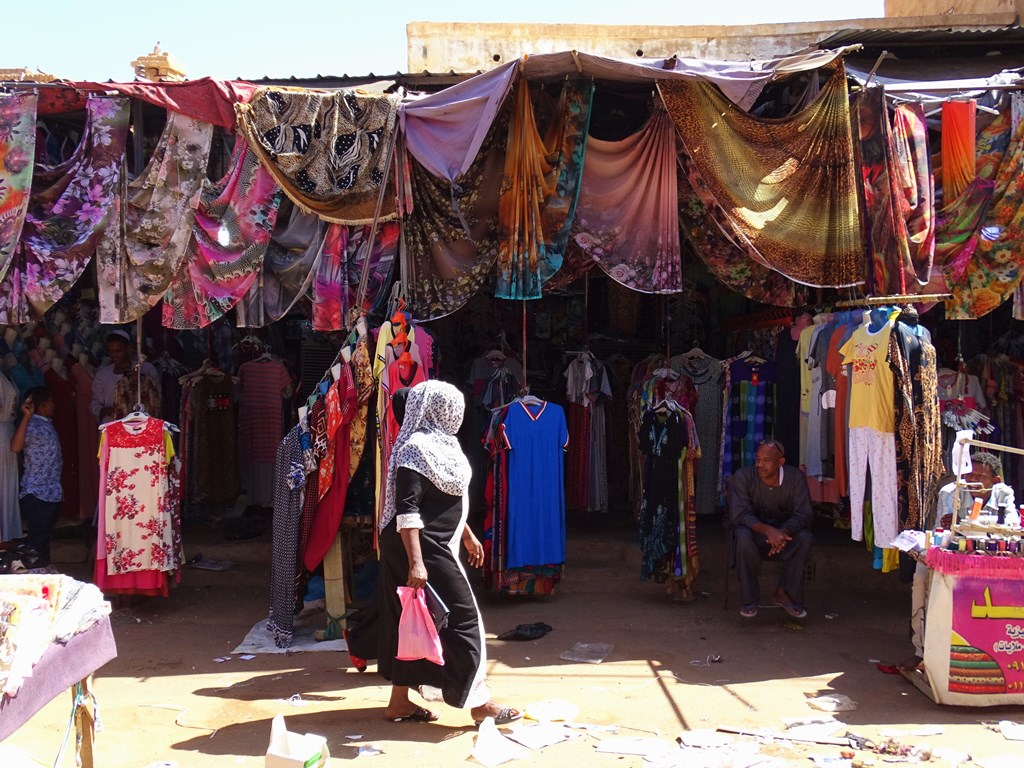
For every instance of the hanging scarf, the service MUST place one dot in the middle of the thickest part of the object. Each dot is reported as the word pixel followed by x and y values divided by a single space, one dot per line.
pixel 788 185
pixel 910 140
pixel 539 189
pixel 17 153
pixel 232 229
pixel 451 233
pixel 708 232
pixel 328 151
pixel 898 190
pixel 958 230
pixel 149 231
pixel 289 266
pixel 627 218
pixel 336 283
pixel 958 149
pixel 71 205
pixel 427 443
pixel 994 269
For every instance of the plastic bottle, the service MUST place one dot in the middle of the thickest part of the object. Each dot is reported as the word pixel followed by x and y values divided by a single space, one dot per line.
pixel 976 508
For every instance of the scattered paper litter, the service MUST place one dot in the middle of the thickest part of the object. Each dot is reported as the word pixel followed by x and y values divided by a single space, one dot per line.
pixel 593 727
pixel 222 659
pixel 247 657
pixel 832 761
pixel 539 735
pixel 630 745
pixel 1011 730
pixel 552 710
pixel 815 731
pixel 587 653
pixel 833 702
pixel 705 738
pixel 923 730
pixel 492 748
pixel 370 750
pixel 1002 761
pixel 354 736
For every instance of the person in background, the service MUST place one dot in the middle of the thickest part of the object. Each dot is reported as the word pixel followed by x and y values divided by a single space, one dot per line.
pixel 104 383
pixel 26 375
pixel 41 492
pixel 770 510
pixel 985 481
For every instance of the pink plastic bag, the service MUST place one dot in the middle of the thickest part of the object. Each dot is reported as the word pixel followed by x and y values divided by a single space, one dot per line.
pixel 417 635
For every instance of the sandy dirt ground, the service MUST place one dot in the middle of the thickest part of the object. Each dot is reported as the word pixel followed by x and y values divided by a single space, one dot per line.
pixel 165 700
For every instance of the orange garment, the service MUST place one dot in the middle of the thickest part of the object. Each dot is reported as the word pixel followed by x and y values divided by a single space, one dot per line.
pixel 958 147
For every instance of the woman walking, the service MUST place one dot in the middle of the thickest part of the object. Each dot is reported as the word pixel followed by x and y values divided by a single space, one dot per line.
pixel 421 525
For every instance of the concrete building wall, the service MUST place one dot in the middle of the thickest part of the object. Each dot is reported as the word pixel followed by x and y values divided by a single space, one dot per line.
pixel 898 8
pixel 468 47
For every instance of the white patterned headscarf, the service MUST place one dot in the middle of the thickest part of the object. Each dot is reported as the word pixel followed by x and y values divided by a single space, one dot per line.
pixel 427 444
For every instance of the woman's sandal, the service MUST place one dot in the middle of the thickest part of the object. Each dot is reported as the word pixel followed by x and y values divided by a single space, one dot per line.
pixel 748 611
pixel 419 715
pixel 505 716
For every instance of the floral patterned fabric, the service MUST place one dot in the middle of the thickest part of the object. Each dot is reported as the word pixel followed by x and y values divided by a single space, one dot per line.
pixel 540 187
pixel 17 153
pixel 136 503
pixel 706 229
pixel 787 185
pixel 71 205
pixel 451 235
pixel 327 150
pixel 339 271
pixel 148 234
pixel 994 269
pixel 224 256
pixel 627 217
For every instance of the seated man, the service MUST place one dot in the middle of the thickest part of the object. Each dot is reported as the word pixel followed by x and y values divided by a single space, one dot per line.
pixel 770 510
pixel 986 472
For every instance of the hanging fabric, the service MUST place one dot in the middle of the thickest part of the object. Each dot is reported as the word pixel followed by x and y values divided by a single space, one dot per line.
pixel 232 229
pixel 450 236
pixel 958 150
pixel 17 156
pixel 627 218
pixel 994 269
pixel 446 131
pixel 150 229
pixel 206 99
pixel 914 180
pixel 336 282
pixel 958 231
pixel 787 185
pixel 289 266
pixel 540 187
pixel 71 205
pixel 327 150
pixel 706 227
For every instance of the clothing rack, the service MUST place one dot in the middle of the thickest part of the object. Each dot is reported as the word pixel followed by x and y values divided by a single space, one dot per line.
pixel 903 298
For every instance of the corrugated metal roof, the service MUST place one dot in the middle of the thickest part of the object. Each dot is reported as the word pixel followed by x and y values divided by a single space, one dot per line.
pixel 930 36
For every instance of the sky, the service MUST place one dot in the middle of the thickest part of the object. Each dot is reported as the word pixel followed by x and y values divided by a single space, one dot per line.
pixel 82 40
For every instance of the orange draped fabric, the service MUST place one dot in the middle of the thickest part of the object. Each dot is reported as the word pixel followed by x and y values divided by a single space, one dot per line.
pixel 958 153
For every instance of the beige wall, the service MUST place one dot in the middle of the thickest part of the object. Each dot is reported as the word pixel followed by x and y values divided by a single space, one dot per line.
pixel 949 7
pixel 467 47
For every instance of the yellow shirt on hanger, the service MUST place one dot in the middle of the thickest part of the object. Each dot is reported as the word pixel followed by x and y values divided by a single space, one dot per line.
pixel 872 389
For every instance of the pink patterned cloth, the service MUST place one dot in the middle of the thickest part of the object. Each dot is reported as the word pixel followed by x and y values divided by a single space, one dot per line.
pixel 233 223
pixel 627 216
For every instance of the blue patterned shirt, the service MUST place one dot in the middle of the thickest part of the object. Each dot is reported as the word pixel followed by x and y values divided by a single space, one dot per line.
pixel 43 463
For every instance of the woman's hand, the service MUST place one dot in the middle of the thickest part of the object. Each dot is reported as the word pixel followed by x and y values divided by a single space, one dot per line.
pixel 473 547
pixel 417 575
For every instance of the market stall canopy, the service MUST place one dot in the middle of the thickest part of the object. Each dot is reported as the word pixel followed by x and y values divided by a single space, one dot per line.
pixel 444 130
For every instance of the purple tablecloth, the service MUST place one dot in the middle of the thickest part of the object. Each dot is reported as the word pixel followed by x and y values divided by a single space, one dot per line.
pixel 60 667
